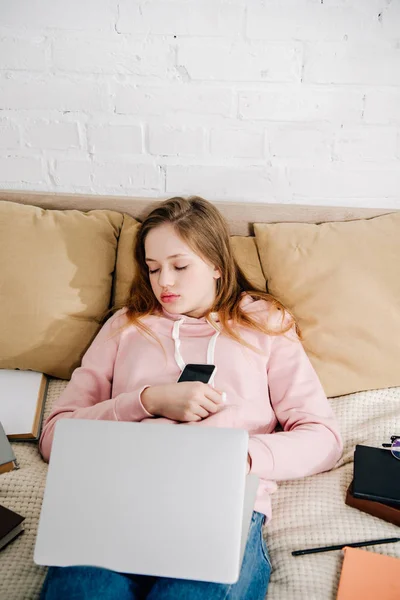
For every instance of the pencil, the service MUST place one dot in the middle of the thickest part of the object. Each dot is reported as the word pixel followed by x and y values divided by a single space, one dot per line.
pixel 340 546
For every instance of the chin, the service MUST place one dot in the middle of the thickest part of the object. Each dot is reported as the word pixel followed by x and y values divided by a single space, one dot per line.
pixel 173 307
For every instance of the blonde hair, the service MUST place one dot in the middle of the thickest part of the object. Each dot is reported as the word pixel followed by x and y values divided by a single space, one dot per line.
pixel 202 227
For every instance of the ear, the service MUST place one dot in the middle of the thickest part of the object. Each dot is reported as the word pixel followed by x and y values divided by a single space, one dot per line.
pixel 217 274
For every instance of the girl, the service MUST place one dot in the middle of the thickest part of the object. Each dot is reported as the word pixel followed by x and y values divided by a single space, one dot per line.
pixel 191 303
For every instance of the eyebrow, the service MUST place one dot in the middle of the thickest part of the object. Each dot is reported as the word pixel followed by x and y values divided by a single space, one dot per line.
pixel 168 257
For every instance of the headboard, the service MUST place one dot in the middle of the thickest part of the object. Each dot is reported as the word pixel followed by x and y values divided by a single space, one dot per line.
pixel 240 215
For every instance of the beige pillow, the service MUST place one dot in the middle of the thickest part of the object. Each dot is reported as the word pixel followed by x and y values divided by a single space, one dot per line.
pixel 244 249
pixel 342 282
pixel 245 252
pixel 56 272
pixel 125 266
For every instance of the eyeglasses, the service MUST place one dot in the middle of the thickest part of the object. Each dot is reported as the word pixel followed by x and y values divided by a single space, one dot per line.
pixel 394 446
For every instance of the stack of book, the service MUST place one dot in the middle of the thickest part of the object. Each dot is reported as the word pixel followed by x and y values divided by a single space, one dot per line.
pixel 11 523
pixel 22 400
pixel 375 488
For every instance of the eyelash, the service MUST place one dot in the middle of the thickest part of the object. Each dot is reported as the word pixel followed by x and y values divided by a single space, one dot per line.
pixel 177 268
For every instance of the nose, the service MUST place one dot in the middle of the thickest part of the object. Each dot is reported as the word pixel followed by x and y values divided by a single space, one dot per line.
pixel 166 278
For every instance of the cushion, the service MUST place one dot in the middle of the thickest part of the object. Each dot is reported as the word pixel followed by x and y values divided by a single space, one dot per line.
pixel 125 265
pixel 342 282
pixel 244 249
pixel 245 252
pixel 56 271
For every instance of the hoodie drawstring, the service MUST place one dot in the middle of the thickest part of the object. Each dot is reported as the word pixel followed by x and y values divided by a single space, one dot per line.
pixel 178 357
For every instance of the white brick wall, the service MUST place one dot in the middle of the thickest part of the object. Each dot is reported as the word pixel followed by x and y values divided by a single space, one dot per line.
pixel 373 63
pixel 237 141
pixel 18 54
pixel 115 139
pixel 45 15
pixel 53 93
pixel 167 140
pixel 20 169
pixel 260 100
pixel 54 136
pixel 254 183
pixel 227 60
pixel 9 135
pixel 173 101
pixel 204 18
pixel 311 104
pixel 300 144
pixel 146 58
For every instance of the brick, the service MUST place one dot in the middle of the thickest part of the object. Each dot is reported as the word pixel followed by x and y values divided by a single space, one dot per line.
pixel 390 20
pixel 376 63
pixel 21 169
pixel 54 94
pixel 127 175
pixel 226 60
pixel 9 135
pixel 299 143
pixel 179 18
pixel 18 54
pixel 236 142
pixel 301 103
pixel 220 182
pixel 311 22
pixel 73 172
pixel 170 100
pixel 344 182
pixel 57 136
pixel 90 15
pixel 382 106
pixel 366 144
pixel 167 140
pixel 118 139
pixel 127 56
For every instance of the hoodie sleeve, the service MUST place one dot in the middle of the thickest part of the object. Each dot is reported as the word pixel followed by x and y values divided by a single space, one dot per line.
pixel 88 393
pixel 310 441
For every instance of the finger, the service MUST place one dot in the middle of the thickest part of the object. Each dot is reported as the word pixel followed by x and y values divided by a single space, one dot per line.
pixel 215 395
pixel 210 406
pixel 192 419
pixel 201 412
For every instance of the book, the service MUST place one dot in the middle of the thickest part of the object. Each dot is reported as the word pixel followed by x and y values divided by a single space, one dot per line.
pixel 388 512
pixel 8 462
pixel 368 575
pixel 376 475
pixel 22 399
pixel 11 525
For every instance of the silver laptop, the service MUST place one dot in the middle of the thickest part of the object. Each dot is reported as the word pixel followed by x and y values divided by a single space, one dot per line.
pixel 147 498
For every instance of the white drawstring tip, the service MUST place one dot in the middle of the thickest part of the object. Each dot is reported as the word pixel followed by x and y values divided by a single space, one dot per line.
pixel 223 396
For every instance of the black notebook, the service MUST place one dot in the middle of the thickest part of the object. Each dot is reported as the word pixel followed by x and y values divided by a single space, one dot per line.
pixel 11 524
pixel 376 475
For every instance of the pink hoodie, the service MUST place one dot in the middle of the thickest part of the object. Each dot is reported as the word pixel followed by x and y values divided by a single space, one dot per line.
pixel 279 386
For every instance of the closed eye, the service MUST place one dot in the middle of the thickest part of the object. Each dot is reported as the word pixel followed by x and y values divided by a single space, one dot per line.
pixel 177 269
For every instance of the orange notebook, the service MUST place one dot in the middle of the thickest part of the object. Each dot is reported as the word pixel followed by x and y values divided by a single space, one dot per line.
pixel 368 576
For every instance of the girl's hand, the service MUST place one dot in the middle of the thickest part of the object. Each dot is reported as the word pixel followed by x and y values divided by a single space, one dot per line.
pixel 185 401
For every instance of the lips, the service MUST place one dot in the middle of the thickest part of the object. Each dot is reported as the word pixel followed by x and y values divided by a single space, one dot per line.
pixel 169 296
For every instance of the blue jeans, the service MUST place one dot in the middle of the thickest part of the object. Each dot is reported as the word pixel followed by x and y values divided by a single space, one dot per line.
pixel 93 583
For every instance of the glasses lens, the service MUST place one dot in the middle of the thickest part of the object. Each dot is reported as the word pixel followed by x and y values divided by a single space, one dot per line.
pixel 396 449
